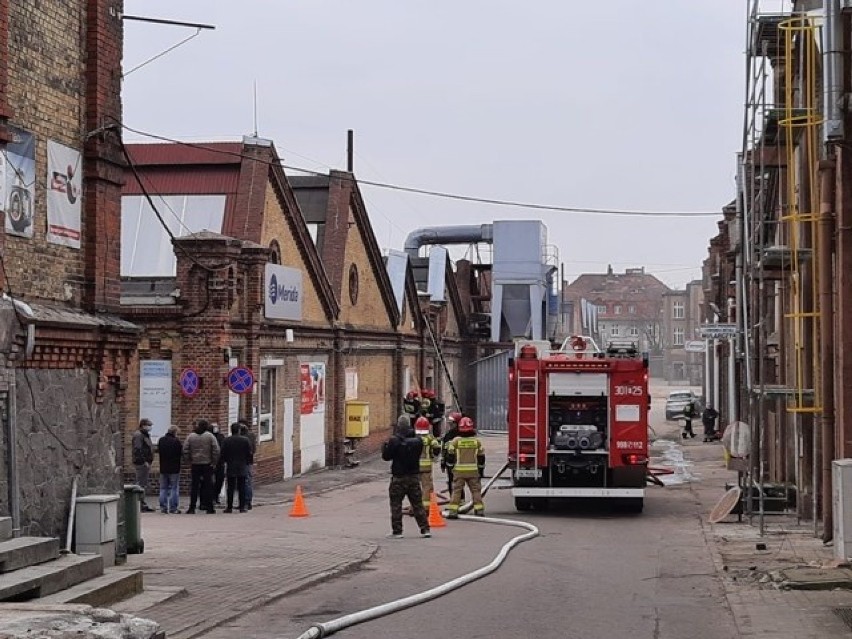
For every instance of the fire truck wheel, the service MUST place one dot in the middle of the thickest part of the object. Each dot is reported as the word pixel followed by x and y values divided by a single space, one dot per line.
pixel 523 503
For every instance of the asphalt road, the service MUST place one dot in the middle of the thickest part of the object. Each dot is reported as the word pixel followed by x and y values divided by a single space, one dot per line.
pixel 592 574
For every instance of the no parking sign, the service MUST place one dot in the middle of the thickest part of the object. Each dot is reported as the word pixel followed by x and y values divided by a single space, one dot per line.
pixel 189 382
pixel 240 379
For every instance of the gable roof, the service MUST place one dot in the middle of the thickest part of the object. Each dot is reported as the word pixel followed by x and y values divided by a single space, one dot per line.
pixel 230 169
pixel 328 199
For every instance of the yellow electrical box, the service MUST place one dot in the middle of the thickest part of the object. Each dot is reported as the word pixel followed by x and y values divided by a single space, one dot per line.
pixel 357 419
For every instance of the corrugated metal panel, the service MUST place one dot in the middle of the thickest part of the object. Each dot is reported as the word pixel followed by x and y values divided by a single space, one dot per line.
pixel 168 153
pixel 185 180
pixel 492 391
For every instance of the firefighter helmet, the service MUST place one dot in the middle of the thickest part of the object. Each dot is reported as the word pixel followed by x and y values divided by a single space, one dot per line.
pixel 455 416
pixel 422 426
pixel 466 425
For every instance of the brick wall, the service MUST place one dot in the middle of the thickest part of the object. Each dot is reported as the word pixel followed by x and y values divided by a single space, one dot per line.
pixel 277 227
pixel 47 98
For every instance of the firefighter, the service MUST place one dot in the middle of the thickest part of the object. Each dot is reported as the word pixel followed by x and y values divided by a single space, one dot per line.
pixel 688 414
pixel 466 456
pixel 452 432
pixel 431 449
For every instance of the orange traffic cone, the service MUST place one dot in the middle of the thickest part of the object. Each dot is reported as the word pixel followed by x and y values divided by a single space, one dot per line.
pixel 436 519
pixel 299 509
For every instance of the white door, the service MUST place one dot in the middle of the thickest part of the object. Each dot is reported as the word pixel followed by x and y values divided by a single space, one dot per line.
pixel 287 437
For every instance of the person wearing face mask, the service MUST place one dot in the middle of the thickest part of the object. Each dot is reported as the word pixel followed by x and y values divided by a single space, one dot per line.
pixel 219 474
pixel 143 455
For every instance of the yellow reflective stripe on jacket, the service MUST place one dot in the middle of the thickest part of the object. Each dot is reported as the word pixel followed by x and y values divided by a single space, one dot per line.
pixel 426 453
pixel 466 450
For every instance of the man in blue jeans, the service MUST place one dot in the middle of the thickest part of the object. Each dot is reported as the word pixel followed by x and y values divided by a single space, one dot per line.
pixel 169 448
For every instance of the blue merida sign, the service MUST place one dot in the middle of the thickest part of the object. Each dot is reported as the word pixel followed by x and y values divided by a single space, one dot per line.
pixel 283 292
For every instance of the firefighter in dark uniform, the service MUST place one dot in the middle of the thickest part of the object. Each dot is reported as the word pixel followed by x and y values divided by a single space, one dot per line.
pixel 688 414
pixel 466 456
pixel 403 450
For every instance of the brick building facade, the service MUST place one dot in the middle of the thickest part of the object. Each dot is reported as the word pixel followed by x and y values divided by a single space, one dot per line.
pixel 64 352
pixel 204 300
pixel 629 306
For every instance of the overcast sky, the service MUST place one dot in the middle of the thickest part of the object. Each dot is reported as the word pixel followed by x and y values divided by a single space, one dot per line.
pixel 615 105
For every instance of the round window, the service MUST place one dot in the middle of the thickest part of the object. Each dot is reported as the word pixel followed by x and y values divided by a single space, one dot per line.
pixel 353 283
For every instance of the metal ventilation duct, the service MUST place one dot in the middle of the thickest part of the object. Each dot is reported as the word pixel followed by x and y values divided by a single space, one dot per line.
pixel 464 234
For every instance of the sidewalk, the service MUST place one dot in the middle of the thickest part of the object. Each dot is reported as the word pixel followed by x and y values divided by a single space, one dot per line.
pixel 752 578
pixel 230 564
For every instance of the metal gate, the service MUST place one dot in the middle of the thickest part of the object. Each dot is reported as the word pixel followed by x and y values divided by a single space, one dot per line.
pixel 492 391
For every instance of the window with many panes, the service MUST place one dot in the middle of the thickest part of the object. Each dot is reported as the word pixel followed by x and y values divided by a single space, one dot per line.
pixel 631 309
pixel 678 311
pixel 617 309
pixel 678 337
pixel 601 308
pixel 634 332
pixel 614 331
pixel 266 420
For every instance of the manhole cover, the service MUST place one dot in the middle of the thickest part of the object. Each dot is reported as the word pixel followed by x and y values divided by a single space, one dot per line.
pixel 845 615
pixel 725 505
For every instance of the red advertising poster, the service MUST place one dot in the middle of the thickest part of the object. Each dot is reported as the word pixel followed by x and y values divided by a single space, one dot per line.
pixel 313 388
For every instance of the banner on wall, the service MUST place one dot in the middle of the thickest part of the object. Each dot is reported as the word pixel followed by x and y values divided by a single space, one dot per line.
pixel 155 394
pixel 17 182
pixel 64 191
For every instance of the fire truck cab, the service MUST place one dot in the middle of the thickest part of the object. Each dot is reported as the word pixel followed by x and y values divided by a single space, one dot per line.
pixel 578 422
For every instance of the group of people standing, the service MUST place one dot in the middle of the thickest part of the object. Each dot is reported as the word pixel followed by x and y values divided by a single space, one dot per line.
pixel 214 460
pixel 412 451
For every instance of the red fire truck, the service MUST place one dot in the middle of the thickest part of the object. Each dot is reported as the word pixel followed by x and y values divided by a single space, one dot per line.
pixel 578 422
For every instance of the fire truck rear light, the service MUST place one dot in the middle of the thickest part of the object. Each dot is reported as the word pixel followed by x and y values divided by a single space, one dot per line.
pixel 522 458
pixel 634 459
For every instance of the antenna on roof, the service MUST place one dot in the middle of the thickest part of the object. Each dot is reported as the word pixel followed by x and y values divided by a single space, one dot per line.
pixel 255 108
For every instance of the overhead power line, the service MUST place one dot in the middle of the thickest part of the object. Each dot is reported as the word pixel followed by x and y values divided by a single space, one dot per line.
pixel 442 194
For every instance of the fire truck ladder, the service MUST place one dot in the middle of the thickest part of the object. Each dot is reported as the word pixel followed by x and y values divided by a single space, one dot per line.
pixel 443 362
pixel 527 417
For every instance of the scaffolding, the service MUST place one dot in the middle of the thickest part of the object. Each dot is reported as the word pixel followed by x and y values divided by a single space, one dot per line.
pixel 778 203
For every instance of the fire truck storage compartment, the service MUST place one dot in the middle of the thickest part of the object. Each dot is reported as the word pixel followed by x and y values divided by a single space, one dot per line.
pixel 577 450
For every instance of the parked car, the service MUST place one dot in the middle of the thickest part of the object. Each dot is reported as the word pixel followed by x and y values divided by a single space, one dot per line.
pixel 676 402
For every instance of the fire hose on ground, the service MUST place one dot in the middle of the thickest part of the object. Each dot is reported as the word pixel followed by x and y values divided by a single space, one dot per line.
pixel 324 629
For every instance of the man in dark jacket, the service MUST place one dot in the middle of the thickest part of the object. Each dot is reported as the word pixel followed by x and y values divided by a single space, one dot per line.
pixel 245 431
pixel 236 453
pixel 143 455
pixel 169 450
pixel 403 450
pixel 219 475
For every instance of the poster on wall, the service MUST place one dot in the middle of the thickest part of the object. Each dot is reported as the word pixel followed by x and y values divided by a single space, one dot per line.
pixel 155 394
pixel 312 416
pixel 313 388
pixel 64 191
pixel 17 182
pixel 351 383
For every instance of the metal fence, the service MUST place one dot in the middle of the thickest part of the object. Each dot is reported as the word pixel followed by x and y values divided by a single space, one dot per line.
pixel 492 391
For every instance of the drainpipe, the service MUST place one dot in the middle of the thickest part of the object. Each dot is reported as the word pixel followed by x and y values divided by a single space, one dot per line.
pixel 833 128
pixel 825 230
pixel 14 484
pixel 732 353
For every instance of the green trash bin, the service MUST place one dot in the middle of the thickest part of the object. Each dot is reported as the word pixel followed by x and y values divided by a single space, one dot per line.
pixel 132 520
